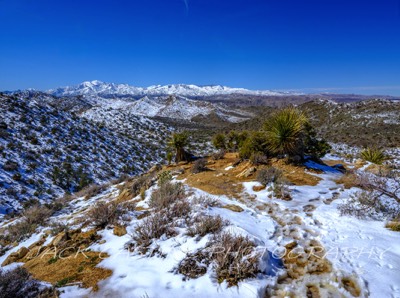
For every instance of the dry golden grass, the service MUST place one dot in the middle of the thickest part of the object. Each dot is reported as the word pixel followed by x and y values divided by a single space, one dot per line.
pixel 79 268
pixel 348 180
pixel 295 174
pixel 393 225
pixel 218 181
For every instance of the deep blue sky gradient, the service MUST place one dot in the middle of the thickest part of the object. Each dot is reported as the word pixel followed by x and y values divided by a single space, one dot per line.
pixel 336 46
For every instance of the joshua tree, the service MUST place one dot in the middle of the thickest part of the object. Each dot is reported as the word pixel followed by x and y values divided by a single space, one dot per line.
pixel 179 141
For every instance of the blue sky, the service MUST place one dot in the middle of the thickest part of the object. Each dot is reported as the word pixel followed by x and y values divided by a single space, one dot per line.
pixel 335 46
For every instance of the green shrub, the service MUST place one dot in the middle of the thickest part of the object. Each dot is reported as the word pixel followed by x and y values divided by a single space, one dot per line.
pixel 255 142
pixel 373 155
pixel 314 146
pixel 236 139
pixel 219 141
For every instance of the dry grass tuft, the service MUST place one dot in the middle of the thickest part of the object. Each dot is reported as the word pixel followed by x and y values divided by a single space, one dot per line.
pixel 103 214
pixel 234 258
pixel 194 265
pixel 206 224
pixel 150 228
pixel 166 195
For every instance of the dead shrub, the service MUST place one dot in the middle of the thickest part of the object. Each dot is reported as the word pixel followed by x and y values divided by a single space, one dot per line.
pixel 18 231
pixel 37 215
pixel 206 224
pixel 258 158
pixel 139 184
pixel 92 190
pixel 179 209
pixel 195 264
pixel 18 283
pixel 348 179
pixel 281 191
pixel 58 227
pixel 269 175
pixel 199 166
pixel 150 228
pixel 103 214
pixel 60 203
pixel 366 204
pixel 166 195
pixel 10 166
pixel 234 258
pixel 218 155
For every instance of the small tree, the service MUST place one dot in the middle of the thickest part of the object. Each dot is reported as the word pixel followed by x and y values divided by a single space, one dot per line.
pixel 179 141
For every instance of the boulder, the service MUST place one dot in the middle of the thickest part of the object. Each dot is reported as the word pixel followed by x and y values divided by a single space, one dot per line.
pixel 15 256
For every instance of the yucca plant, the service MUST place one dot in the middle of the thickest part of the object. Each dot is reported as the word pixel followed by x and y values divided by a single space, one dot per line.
pixel 284 131
pixel 374 155
pixel 179 141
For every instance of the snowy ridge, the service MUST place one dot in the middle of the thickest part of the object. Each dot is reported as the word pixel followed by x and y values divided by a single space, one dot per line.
pixel 99 88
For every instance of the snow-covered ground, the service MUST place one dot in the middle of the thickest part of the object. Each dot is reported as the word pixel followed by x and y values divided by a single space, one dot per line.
pixel 362 250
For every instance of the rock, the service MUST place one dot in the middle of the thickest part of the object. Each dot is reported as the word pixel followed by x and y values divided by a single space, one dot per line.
pixel 258 187
pixel 9 260
pixel 248 172
pixel 236 162
pixel 119 231
pixel 22 252
pixel 58 239
pixel 339 167
pixel 291 245
pixel 15 256
pixel 234 208
pixel 37 243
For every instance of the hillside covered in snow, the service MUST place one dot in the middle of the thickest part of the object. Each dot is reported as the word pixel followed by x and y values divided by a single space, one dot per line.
pixel 46 151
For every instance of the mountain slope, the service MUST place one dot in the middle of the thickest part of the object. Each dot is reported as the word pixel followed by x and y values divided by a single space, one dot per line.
pixel 45 151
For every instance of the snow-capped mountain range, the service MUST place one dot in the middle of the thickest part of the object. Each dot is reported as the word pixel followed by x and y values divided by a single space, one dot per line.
pixel 98 88
pixel 170 101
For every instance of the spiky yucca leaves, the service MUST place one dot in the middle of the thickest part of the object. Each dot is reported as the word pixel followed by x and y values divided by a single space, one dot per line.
pixel 179 141
pixel 284 131
pixel 373 155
